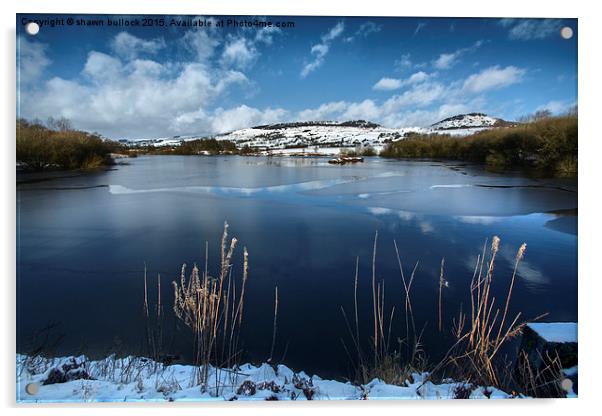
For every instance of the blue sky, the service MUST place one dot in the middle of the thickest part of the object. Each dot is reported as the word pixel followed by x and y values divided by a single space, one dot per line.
pixel 132 82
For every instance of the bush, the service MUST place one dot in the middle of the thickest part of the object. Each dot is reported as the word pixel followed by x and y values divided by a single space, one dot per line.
pixel 548 144
pixel 40 147
pixel 212 146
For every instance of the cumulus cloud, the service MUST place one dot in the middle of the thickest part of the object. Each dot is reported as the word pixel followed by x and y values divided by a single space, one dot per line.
pixel 244 116
pixel 529 29
pixel 367 110
pixel 200 43
pixel 139 97
pixel 125 93
pixel 239 53
pixel 32 60
pixel 323 112
pixel 101 67
pixel 420 95
pixel 129 46
pixel 493 78
pixel 320 50
pixel 447 60
pixel 424 101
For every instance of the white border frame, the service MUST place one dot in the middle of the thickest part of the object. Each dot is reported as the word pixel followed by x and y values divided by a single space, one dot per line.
pixel 590 150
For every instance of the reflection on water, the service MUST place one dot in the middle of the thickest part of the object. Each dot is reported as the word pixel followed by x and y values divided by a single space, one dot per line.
pixel 83 242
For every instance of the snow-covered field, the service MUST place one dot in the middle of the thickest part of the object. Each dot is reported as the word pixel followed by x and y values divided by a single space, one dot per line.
pixel 135 379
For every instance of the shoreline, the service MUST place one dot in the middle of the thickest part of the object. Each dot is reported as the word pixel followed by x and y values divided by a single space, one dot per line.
pixel 139 379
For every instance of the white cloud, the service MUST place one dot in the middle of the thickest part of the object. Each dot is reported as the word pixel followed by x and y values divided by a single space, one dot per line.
pixel 529 29
pixel 323 112
pixel 365 30
pixel 239 53
pixel 141 98
pixel 404 62
pixel 129 46
pixel 388 84
pixel 244 116
pixel 493 78
pixel 419 27
pixel 334 32
pixel 101 67
pixel 447 60
pixel 201 43
pixel 32 60
pixel 266 34
pixel 121 95
pixel 420 95
pixel 320 50
pixel 555 106
pixel 366 110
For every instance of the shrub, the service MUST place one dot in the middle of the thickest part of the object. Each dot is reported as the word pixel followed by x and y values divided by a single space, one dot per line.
pixel 548 144
pixel 40 147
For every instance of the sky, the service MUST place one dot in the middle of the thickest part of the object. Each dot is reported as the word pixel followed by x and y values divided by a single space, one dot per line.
pixel 164 79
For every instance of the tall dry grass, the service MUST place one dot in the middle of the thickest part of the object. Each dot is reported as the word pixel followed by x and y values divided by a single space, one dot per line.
pixel 482 333
pixel 392 362
pixel 212 307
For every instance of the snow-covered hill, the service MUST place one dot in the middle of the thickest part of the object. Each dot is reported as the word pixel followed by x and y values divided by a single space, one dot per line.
pixel 329 137
pixel 318 134
pixel 469 121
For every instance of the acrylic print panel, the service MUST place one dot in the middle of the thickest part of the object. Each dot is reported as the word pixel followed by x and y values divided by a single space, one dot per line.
pixel 295 208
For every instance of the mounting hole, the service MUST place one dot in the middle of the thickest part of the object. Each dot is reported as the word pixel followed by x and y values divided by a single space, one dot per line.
pixel 566 32
pixel 32 28
pixel 566 384
pixel 32 388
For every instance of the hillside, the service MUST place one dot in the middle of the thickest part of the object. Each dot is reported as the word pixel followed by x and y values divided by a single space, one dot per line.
pixel 471 120
pixel 328 136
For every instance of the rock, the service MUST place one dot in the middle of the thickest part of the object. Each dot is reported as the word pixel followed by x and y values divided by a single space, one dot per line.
pixel 67 372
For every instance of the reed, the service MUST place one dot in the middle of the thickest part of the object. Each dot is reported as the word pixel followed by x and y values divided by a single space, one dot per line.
pixel 210 307
pixel 384 361
pixel 275 324
pixel 481 336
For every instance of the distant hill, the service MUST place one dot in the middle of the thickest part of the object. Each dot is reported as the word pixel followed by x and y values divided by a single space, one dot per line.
pixel 335 134
pixel 352 123
pixel 470 121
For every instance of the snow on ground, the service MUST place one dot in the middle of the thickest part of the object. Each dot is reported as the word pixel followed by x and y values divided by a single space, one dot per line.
pixel 134 379
pixel 555 331
pixel 317 136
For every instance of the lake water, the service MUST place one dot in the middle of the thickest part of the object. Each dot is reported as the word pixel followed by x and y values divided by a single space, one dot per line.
pixel 82 241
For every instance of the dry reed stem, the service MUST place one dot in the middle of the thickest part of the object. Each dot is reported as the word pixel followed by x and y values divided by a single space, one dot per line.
pixel 275 325
pixel 209 307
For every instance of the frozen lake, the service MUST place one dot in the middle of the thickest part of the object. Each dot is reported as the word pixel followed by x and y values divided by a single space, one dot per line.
pixel 82 242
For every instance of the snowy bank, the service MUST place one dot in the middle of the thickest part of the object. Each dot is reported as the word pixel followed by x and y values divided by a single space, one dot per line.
pixel 135 379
